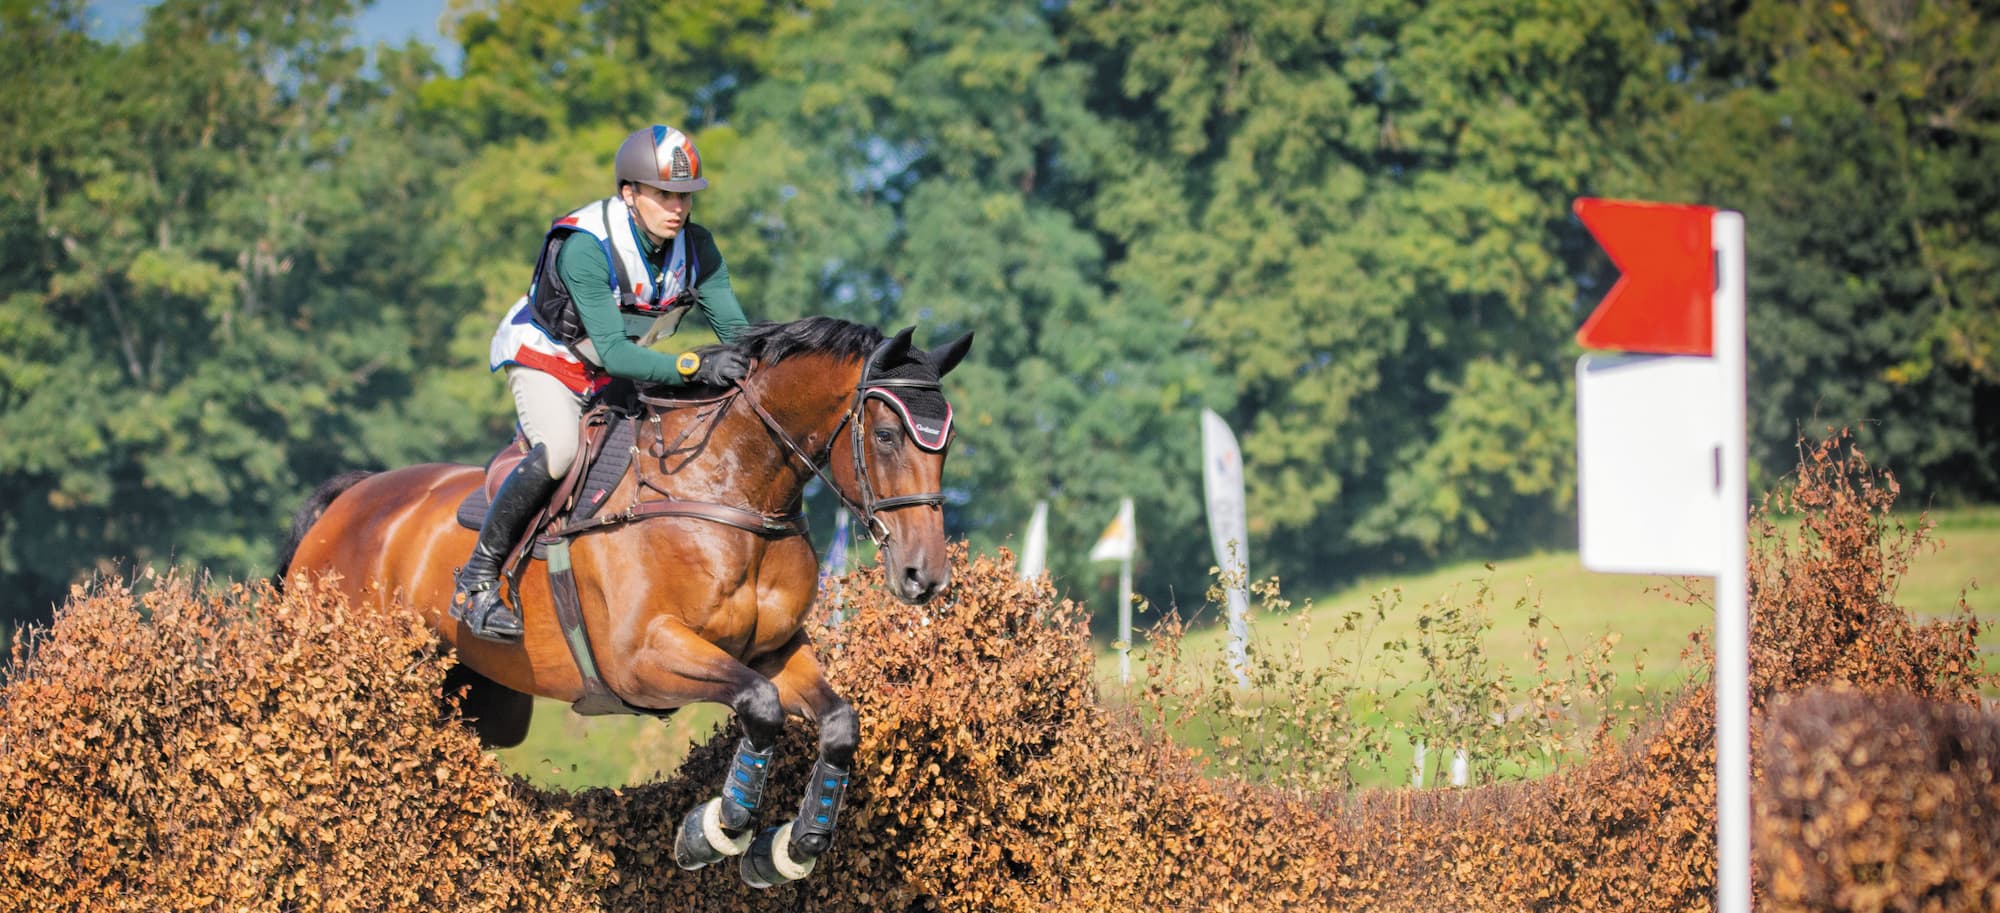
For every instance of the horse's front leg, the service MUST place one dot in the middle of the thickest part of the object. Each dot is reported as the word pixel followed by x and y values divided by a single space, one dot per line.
pixel 788 852
pixel 701 671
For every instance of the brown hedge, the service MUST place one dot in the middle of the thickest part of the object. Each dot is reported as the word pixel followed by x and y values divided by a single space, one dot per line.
pixel 246 751
pixel 1880 802
pixel 237 751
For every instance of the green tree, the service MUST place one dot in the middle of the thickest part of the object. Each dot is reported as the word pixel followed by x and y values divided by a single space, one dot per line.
pixel 536 68
pixel 1369 235
pixel 548 90
pixel 218 308
pixel 1857 139
pixel 965 147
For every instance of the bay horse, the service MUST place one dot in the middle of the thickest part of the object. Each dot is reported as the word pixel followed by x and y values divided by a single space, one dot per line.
pixel 695 580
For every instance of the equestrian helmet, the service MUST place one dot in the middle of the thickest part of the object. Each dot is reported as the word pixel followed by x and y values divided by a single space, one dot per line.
pixel 662 157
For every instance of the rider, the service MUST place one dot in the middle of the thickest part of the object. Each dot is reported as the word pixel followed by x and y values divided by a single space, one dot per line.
pixel 607 275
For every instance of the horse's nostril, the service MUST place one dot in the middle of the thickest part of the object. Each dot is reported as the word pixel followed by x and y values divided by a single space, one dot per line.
pixel 919 588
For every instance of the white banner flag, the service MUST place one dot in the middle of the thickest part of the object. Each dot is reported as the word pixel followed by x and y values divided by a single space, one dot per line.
pixel 1222 478
pixel 1119 542
pixel 1228 531
pixel 1035 549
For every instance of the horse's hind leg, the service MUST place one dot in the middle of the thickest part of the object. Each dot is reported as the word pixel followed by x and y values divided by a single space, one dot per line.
pixel 789 851
pixel 499 714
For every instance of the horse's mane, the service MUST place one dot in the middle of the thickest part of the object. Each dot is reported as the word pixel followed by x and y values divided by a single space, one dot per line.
pixel 771 343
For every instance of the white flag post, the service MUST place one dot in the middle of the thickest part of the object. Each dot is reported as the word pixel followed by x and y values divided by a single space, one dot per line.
pixel 1732 585
pixel 833 566
pixel 1035 547
pixel 1661 470
pixel 1119 543
pixel 1228 532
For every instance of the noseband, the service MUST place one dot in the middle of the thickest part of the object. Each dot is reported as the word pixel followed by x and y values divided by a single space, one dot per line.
pixel 870 508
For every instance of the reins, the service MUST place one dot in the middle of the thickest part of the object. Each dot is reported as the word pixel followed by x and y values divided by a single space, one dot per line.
pixel 868 510
pixel 743 518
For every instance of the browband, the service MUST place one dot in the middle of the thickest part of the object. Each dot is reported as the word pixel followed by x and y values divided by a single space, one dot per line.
pixel 930 434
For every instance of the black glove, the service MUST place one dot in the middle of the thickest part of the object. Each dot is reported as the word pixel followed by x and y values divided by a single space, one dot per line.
pixel 720 368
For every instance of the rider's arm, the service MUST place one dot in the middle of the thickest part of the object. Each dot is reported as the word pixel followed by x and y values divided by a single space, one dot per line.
pixel 588 278
pixel 718 300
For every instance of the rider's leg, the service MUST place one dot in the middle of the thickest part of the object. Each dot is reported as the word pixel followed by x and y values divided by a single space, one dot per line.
pixel 477 601
pixel 549 415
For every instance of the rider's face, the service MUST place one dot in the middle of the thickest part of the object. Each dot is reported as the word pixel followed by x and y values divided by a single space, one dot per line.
pixel 660 213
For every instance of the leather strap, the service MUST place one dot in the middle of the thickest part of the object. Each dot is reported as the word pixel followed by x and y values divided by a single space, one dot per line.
pixel 777 527
pixel 598 698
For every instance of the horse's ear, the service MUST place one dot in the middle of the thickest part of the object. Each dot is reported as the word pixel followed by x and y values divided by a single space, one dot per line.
pixel 947 356
pixel 891 351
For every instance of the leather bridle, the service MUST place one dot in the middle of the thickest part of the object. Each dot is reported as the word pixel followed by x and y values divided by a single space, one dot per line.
pixel 870 508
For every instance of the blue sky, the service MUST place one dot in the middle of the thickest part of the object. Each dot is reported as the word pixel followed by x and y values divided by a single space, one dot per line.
pixel 390 21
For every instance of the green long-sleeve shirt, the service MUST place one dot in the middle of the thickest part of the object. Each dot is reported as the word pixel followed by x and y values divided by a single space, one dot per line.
pixel 613 333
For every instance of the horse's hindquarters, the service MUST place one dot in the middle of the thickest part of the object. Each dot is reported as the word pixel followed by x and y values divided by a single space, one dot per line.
pixel 388 536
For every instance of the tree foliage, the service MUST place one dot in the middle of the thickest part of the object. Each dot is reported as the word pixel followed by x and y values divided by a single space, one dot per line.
pixel 1366 229
pixel 211 314
pixel 242 253
pixel 1858 139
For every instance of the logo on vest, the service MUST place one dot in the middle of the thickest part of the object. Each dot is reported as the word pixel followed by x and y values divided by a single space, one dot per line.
pixel 679 169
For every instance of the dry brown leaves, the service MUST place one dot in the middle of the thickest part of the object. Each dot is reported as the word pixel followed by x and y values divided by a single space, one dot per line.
pixel 1880 802
pixel 182 751
pixel 234 750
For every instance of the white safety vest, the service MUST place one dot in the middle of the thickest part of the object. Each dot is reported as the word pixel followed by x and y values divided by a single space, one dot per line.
pixel 520 340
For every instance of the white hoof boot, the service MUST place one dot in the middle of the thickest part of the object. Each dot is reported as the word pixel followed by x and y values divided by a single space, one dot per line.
pixel 702 840
pixel 769 861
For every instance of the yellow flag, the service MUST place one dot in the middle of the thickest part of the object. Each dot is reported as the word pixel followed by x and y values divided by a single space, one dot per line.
pixel 1120 541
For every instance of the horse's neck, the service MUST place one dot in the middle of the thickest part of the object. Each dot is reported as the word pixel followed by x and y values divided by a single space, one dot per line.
pixel 806 397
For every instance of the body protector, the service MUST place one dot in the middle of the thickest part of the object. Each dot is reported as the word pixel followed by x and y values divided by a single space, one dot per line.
pixel 543 330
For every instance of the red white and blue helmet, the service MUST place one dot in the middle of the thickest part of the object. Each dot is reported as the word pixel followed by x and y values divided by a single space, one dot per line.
pixel 662 157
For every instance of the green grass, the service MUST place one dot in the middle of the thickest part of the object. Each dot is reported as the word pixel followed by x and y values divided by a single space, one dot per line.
pixel 1577 606
pixel 1967 548
pixel 570 751
pixel 1649 626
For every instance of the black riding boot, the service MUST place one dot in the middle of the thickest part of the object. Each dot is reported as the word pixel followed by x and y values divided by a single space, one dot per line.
pixel 478 602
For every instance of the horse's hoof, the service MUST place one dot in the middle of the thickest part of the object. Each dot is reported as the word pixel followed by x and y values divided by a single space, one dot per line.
pixel 769 862
pixel 702 841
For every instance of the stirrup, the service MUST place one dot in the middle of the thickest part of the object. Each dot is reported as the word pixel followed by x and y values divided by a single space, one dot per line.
pixel 484 613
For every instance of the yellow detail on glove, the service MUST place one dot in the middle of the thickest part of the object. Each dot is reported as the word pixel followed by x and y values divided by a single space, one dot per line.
pixel 688 363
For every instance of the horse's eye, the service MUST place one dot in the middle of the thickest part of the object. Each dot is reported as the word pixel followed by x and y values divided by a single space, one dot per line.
pixel 885 436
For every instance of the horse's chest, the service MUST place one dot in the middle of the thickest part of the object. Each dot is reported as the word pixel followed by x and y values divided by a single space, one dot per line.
pixel 753 622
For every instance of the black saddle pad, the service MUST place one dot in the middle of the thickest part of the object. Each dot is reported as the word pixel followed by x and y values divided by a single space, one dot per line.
pixel 613 459
pixel 472 510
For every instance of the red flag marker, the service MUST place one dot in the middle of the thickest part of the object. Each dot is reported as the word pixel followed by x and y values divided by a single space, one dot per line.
pixel 1663 298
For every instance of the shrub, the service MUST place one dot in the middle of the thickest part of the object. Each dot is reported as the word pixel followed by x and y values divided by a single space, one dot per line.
pixel 182 750
pixel 177 750
pixel 1879 802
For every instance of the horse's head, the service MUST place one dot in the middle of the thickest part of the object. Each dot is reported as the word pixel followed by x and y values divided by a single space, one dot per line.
pixel 890 465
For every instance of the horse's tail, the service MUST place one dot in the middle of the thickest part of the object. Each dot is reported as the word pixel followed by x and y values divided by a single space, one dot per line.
pixel 308 514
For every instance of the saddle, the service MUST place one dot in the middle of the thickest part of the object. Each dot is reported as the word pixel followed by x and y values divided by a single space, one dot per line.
pixel 607 444
pixel 603 457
